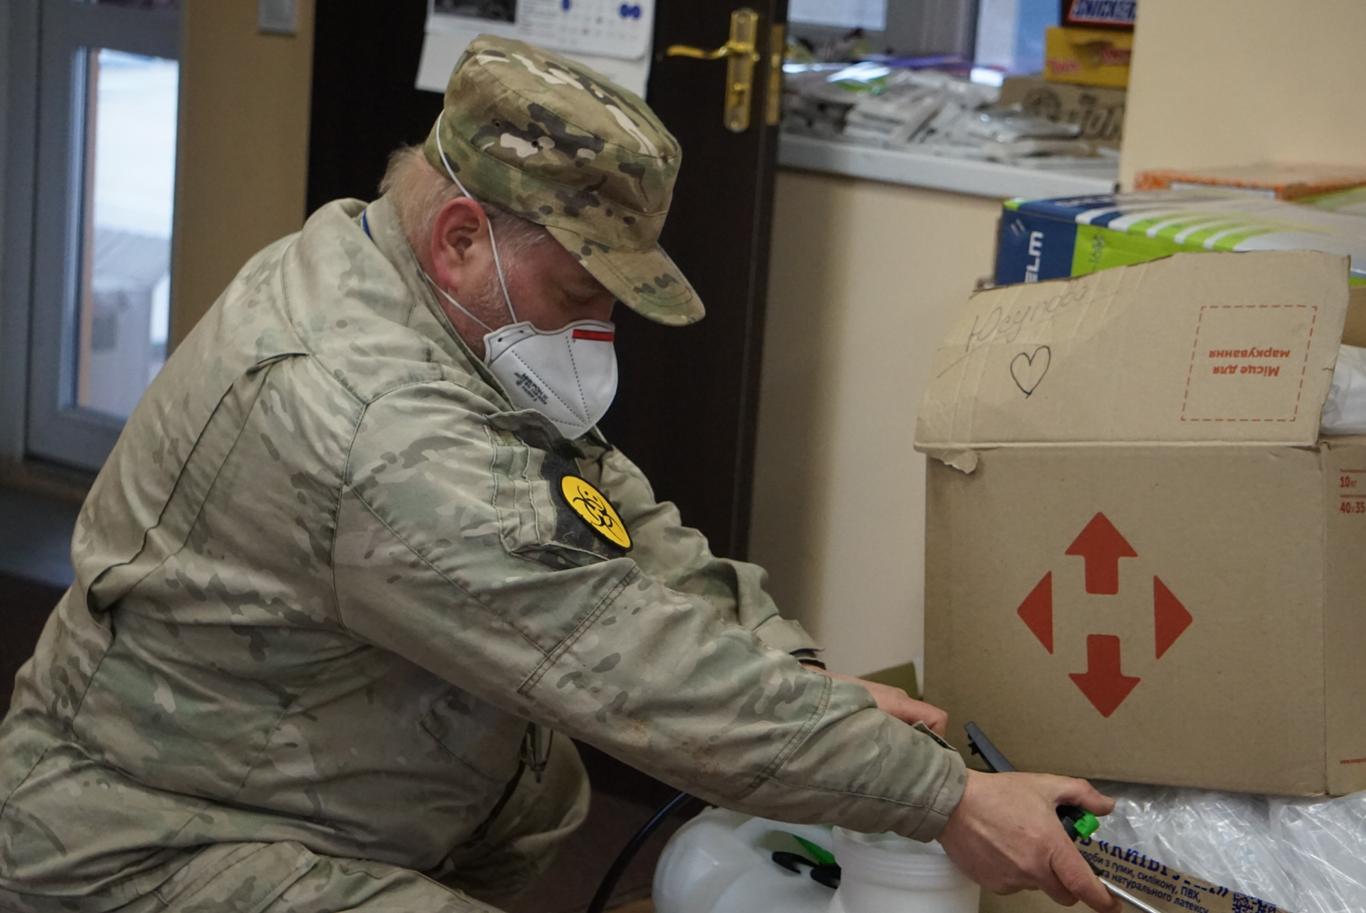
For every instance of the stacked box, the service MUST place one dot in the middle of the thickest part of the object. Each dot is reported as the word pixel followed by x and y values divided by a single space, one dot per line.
pixel 1088 57
pixel 1143 563
pixel 1073 236
pixel 1268 179
pixel 1117 14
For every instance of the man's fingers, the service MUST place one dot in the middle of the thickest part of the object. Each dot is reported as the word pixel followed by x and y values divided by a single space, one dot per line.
pixel 932 716
pixel 1057 893
pixel 1080 882
pixel 1071 791
pixel 897 703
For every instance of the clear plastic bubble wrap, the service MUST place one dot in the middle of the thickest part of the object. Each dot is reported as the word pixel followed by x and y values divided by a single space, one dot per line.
pixel 1345 411
pixel 1304 855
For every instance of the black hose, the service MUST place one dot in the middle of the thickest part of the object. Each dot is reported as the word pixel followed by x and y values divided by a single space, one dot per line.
pixel 628 852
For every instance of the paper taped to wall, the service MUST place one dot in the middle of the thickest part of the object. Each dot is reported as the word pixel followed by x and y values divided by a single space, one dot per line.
pixel 611 36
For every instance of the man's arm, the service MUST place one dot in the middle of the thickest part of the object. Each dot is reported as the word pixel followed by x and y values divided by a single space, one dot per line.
pixel 456 550
pixel 681 558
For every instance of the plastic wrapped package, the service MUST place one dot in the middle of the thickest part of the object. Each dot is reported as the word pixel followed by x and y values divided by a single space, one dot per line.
pixel 900 117
pixel 1007 126
pixel 960 91
pixel 1307 855
pixel 1345 410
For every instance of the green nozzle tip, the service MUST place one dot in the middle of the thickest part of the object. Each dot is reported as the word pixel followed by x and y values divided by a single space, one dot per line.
pixel 1087 825
pixel 817 852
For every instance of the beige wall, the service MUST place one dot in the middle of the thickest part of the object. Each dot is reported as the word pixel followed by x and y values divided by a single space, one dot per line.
pixel 242 160
pixel 863 280
pixel 1220 82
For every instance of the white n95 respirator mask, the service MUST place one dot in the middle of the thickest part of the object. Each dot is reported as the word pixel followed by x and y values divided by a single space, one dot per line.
pixel 568 375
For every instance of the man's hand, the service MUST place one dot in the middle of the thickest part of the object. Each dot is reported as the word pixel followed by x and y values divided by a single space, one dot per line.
pixel 896 702
pixel 1006 836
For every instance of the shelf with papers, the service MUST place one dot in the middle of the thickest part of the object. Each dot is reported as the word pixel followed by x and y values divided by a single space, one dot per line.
pixel 938 172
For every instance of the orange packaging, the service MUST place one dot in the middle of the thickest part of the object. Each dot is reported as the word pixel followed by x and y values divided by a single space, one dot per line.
pixel 1270 179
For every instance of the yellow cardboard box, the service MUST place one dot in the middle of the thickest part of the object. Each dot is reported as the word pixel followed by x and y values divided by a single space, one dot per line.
pixel 1088 57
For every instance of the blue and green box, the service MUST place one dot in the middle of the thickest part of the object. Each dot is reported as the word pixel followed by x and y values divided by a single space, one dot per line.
pixel 1073 236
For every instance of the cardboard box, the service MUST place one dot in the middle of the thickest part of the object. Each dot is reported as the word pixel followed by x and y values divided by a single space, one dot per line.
pixel 1088 57
pixel 1142 563
pixel 1267 179
pixel 1099 112
pixel 1072 236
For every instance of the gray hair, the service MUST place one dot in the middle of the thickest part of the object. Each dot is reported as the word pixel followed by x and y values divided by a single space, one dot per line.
pixel 419 191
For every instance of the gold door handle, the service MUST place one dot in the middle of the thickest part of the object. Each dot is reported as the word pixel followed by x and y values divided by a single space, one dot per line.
pixel 741 54
pixel 725 50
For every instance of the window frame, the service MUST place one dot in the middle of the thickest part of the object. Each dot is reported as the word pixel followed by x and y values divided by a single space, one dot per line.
pixel 18 117
pixel 45 188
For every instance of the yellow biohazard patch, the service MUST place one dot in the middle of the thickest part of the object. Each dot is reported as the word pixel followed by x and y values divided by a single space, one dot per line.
pixel 595 510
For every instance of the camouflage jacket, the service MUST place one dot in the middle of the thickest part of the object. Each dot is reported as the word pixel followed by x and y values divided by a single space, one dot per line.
pixel 326 577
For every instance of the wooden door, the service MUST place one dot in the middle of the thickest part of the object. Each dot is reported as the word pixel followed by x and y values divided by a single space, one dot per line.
pixel 687 405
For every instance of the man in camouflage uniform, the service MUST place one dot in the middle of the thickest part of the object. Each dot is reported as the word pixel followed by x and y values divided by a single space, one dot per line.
pixel 329 573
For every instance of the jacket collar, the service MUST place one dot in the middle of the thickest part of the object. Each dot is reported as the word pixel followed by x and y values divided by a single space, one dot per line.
pixel 380 221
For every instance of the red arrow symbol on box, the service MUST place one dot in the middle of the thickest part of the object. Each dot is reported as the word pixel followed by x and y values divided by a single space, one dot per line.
pixel 1037 611
pixel 1170 618
pixel 1101 545
pixel 1104 685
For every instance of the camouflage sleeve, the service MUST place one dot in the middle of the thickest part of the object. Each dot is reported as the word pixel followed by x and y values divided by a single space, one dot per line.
pixel 455 550
pixel 679 557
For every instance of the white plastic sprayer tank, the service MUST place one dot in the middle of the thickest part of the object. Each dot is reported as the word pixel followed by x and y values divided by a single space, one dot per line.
pixel 883 873
pixel 722 862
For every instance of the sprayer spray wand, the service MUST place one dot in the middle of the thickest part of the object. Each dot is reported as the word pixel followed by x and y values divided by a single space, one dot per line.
pixel 1078 822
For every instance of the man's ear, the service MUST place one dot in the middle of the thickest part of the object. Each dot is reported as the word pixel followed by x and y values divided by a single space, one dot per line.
pixel 456 241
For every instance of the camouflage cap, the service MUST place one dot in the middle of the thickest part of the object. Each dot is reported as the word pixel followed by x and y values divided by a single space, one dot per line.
pixel 548 139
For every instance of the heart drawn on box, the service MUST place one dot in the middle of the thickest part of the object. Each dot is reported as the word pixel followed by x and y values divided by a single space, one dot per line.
pixel 1028 369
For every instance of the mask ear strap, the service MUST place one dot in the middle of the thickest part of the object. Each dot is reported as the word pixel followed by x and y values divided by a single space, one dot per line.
pixel 451 298
pixel 493 242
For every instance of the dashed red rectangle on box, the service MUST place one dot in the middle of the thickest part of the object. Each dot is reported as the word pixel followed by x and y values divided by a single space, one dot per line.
pixel 1248 363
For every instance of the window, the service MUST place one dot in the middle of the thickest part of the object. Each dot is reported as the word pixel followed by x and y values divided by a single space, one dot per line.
pixel 870 15
pixel 95 187
pixel 899 27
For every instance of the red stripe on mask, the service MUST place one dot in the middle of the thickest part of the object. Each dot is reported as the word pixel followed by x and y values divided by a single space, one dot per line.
pixel 594 335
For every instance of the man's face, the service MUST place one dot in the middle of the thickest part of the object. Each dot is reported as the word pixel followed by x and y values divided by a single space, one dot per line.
pixel 549 288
